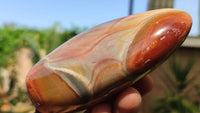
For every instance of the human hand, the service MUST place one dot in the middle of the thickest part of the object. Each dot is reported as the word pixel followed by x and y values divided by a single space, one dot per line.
pixel 128 101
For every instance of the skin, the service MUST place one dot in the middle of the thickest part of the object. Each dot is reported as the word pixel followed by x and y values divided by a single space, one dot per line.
pixel 128 101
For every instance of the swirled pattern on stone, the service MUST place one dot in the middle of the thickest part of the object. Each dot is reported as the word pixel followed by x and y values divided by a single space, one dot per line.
pixel 105 59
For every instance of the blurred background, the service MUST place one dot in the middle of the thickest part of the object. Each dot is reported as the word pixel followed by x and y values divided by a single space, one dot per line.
pixel 31 29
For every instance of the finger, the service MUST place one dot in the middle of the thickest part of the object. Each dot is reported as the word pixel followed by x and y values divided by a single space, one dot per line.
pixel 144 85
pixel 102 108
pixel 128 101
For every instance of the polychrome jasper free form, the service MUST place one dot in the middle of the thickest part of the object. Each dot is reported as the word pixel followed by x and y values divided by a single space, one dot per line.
pixel 105 59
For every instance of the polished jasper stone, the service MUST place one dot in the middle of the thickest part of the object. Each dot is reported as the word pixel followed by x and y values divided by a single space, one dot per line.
pixel 105 59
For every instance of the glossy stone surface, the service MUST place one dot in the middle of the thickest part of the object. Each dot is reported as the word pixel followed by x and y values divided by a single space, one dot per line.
pixel 105 59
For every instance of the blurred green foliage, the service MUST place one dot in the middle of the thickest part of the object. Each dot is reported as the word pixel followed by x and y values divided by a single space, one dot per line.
pixel 175 104
pixel 9 43
pixel 178 98
pixel 21 97
pixel 13 38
